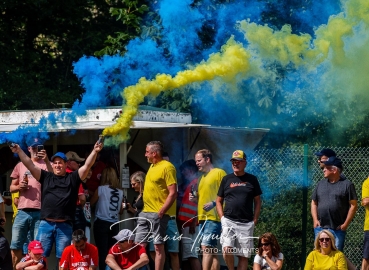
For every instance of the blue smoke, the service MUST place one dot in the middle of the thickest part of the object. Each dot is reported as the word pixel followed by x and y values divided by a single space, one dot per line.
pixel 187 32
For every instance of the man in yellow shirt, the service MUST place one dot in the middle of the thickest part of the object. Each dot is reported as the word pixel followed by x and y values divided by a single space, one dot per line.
pixel 210 226
pixel 159 201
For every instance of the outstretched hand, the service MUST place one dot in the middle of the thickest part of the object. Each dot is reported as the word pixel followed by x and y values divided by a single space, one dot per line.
pixel 98 146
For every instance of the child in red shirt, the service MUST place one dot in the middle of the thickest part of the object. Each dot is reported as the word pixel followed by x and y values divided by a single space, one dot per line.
pixel 34 257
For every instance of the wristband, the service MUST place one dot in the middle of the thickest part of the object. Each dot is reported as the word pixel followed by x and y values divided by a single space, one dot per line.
pixel 214 203
pixel 264 257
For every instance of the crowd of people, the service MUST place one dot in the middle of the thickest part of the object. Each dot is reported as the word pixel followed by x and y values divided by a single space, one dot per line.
pixel 180 224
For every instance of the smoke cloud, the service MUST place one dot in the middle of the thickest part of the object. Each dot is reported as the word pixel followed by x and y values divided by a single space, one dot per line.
pixel 278 64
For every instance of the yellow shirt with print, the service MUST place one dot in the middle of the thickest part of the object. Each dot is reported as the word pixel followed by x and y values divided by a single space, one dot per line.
pixel 158 178
pixel 365 194
pixel 207 191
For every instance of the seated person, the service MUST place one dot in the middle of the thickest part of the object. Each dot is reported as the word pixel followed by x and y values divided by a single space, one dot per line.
pixel 325 255
pixel 269 254
pixel 34 258
pixel 125 254
pixel 80 255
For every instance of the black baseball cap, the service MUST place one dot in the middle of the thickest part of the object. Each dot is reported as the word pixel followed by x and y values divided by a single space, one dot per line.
pixel 326 152
pixel 334 161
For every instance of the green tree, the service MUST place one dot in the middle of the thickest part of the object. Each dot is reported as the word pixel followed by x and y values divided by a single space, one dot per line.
pixel 39 41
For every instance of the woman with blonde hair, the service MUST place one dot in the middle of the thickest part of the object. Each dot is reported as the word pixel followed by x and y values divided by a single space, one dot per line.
pixel 269 254
pixel 325 254
pixel 108 198
pixel 137 183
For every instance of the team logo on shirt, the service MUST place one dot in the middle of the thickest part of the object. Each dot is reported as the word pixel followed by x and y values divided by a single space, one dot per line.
pixel 241 184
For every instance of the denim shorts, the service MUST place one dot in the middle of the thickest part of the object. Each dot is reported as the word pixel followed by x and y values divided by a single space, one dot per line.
pixel 25 228
pixel 172 240
pixel 58 232
pixel 366 245
pixel 210 233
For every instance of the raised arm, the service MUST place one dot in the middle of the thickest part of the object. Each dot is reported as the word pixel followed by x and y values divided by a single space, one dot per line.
pixel 35 171
pixel 83 171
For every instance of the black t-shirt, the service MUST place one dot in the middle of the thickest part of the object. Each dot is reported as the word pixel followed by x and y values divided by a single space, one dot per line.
pixel 139 205
pixel 333 201
pixel 238 193
pixel 59 195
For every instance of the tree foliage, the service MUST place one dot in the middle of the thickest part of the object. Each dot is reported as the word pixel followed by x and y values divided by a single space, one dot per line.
pixel 41 39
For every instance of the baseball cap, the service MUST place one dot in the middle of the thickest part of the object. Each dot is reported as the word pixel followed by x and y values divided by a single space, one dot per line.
pixel 238 155
pixel 334 161
pixel 35 247
pixel 36 142
pixel 60 155
pixel 124 235
pixel 74 156
pixel 326 152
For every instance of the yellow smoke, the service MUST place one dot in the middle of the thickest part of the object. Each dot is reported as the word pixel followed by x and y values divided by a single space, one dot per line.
pixel 286 48
pixel 232 60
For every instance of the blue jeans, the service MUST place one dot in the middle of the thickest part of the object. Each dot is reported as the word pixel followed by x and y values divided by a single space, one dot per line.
pixel 25 227
pixel 339 235
pixel 58 232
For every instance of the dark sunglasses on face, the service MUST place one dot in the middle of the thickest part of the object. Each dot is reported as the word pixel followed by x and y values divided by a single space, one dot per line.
pixel 324 239
pixel 265 244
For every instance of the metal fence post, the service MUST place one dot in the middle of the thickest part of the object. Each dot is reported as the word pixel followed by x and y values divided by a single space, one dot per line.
pixel 304 205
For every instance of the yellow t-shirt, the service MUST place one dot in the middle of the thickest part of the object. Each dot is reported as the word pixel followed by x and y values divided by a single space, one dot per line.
pixel 15 209
pixel 207 191
pixel 365 194
pixel 158 178
pixel 317 261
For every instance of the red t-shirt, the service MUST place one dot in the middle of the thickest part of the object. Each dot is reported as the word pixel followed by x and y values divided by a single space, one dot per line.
pixel 94 181
pixel 42 261
pixel 127 259
pixel 73 259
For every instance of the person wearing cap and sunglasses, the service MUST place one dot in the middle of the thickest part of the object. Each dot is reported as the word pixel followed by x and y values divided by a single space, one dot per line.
pixel 325 254
pixel 80 255
pixel 125 254
pixel 27 220
pixel 59 191
pixel 33 258
pixel 240 193
pixel 334 202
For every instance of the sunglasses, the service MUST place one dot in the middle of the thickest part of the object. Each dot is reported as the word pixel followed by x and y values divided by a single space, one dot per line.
pixel 324 239
pixel 265 244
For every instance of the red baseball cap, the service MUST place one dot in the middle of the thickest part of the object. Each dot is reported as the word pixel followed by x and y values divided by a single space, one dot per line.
pixel 35 247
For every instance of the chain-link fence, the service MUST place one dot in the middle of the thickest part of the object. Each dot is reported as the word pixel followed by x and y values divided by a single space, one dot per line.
pixel 287 177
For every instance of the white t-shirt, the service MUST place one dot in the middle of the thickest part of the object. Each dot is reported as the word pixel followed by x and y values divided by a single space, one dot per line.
pixel 109 203
pixel 263 263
